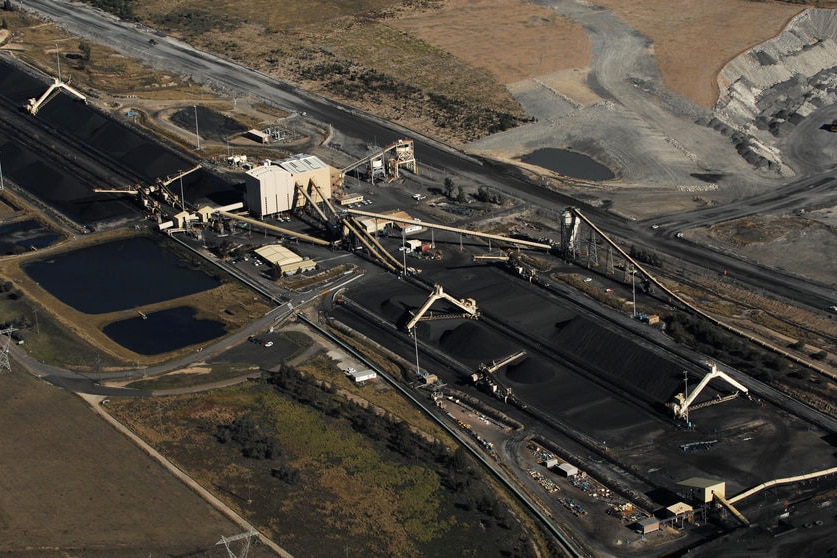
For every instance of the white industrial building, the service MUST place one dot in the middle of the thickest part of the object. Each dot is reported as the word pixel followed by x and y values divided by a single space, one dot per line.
pixel 286 260
pixel 568 469
pixel 361 375
pixel 703 490
pixel 280 186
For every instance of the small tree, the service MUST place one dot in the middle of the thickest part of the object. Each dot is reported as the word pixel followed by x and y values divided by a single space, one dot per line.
pixel 460 195
pixel 448 186
pixel 821 355
pixel 84 47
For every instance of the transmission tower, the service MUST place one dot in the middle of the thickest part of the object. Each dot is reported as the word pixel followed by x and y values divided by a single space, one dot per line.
pixel 4 352
pixel 246 536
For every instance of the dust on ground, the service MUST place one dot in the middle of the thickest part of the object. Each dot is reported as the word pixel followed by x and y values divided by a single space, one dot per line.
pixel 782 242
pixel 694 40
pixel 92 485
pixel 691 40
pixel 525 39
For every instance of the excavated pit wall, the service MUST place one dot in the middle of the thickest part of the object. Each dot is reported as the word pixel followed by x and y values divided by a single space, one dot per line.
pixel 769 89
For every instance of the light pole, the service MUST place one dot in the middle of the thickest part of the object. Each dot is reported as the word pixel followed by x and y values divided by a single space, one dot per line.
pixel 58 60
pixel 633 290
pixel 182 197
pixel 2 185
pixel 197 137
pixel 403 251
pixel 415 339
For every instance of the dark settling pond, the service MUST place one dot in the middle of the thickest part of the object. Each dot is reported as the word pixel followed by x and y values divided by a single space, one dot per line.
pixel 211 124
pixel 23 236
pixel 118 275
pixel 164 331
pixel 568 163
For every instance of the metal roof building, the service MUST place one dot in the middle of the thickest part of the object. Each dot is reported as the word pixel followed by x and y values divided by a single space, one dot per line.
pixel 277 254
pixel 272 188
pixel 269 190
pixel 287 261
pixel 648 525
pixel 702 489
pixel 568 469
pixel 361 375
pixel 305 168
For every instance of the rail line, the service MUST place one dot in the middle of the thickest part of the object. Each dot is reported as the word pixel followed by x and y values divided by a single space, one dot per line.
pixel 566 544
pixel 534 345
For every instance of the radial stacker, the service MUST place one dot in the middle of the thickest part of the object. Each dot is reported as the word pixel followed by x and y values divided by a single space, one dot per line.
pixel 684 402
pixel 34 105
pixel 468 305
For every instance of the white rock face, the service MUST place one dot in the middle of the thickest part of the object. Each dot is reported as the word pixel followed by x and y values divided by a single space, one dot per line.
pixel 771 87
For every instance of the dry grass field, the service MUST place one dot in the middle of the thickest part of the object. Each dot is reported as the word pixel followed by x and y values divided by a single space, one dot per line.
pixel 462 50
pixel 72 486
pixel 694 40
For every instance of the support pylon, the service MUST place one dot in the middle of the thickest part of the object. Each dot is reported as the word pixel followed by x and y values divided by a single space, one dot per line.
pixel 5 363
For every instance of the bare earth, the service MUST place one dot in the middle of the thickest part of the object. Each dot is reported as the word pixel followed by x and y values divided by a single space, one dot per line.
pixel 524 40
pixel 693 40
pixel 89 486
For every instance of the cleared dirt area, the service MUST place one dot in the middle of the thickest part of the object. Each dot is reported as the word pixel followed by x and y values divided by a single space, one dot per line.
pixel 693 40
pixel 785 242
pixel 71 486
pixel 526 40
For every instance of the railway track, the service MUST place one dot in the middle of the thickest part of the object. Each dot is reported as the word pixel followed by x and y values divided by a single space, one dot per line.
pixel 569 547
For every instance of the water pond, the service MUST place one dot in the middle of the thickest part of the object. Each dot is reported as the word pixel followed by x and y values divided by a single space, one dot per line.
pixel 119 275
pixel 569 163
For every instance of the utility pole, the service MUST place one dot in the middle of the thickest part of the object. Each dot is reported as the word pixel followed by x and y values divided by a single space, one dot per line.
pixel 415 339
pixel 404 250
pixel 58 60
pixel 686 394
pixel 2 185
pixel 633 289
pixel 197 137
pixel 182 197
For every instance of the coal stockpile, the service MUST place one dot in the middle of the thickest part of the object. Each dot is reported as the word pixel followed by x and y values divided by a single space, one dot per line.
pixel 612 356
pixel 128 148
pixel 531 371
pixel 469 342
pixel 210 124
pixel 555 391
pixel 622 360
pixel 201 188
pixel 17 86
pixel 53 185
pixel 397 308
